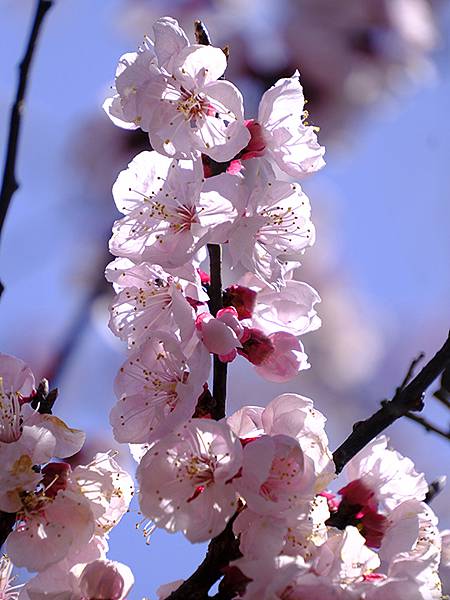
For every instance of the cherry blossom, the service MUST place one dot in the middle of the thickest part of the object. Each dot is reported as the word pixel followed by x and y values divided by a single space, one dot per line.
pixel 280 131
pixel 49 525
pixel 273 227
pixel 167 210
pixel 106 580
pixel 16 383
pixel 389 476
pixel 222 334
pixel 108 488
pixel 150 298
pixel 289 309
pixel 135 71
pixel 285 361
pixel 197 113
pixel 291 415
pixel 157 389
pixel 186 479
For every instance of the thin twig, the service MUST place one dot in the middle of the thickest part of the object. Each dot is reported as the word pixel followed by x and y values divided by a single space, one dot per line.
pixel 428 426
pixel 9 183
pixel 201 34
pixel 435 488
pixel 411 370
pixel 406 399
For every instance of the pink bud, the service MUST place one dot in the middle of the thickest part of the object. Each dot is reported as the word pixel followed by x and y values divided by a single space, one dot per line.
pixel 287 359
pixel 257 346
pixel 242 298
pixel 106 580
pixel 257 145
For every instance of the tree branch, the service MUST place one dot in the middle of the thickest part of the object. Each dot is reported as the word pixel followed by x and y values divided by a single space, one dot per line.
pixel 408 397
pixel 221 551
pixel 215 304
pixel 428 426
pixel 9 183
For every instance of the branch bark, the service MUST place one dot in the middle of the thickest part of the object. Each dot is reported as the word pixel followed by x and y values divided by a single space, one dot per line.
pixel 9 182
pixel 215 304
pixel 408 397
pixel 221 551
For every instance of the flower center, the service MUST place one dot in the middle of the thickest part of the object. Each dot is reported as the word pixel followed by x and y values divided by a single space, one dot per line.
pixel 192 105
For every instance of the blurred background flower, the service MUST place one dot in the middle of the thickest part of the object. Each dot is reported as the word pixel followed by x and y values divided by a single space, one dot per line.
pixel 376 74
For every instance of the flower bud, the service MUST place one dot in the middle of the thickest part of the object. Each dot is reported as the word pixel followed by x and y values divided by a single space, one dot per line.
pixel 105 580
pixel 242 298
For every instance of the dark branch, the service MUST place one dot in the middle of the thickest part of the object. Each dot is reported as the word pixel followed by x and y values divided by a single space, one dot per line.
pixel 201 34
pixel 7 521
pixel 428 426
pixel 407 398
pixel 215 304
pixel 221 551
pixel 9 183
pixel 435 488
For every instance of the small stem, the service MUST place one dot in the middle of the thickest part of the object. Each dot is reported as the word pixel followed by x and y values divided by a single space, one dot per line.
pixel 407 398
pixel 215 304
pixel 435 488
pixel 428 426
pixel 215 273
pixel 9 183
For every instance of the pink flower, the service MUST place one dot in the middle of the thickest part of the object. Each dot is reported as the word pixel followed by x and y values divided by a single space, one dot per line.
pixel 108 487
pixel 242 298
pixel 221 335
pixel 390 476
pixel 47 527
pixel 167 210
pixel 157 389
pixel 275 479
pixel 135 73
pixel 256 347
pixel 285 361
pixel 195 112
pixel 16 383
pixel 148 299
pixel 186 479
pixel 290 309
pixel 106 580
pixel 291 415
pixel 273 225
pixel 280 132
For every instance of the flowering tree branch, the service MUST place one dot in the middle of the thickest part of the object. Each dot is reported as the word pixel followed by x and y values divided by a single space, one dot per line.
pixel 408 397
pixel 9 183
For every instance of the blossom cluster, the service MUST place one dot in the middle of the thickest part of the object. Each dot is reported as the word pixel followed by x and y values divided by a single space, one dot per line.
pixel 217 178
pixel 60 515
